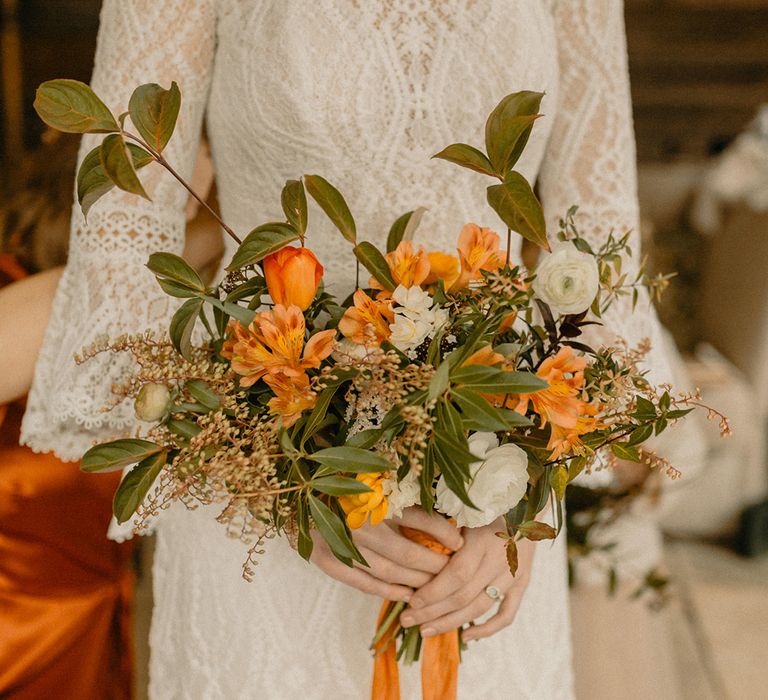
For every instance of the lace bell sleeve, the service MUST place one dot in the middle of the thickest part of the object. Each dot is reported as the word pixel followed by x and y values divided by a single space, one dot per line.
pixel 590 158
pixel 106 288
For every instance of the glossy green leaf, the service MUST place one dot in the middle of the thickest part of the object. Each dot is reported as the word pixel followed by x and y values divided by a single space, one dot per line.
pixel 305 545
pixel 118 165
pixel 333 204
pixel 439 383
pixel 404 228
pixel 491 380
pixel 73 107
pixel 154 112
pixel 319 413
pixel 183 324
pixel 478 414
pixel 112 456
pixel 373 261
pixel 262 241
pixel 351 459
pixel 200 391
pixel 365 439
pixel 453 460
pixel 93 181
pixel 135 486
pixel 175 268
pixel 333 531
pixel 640 434
pixel 624 451
pixel 508 128
pixel 183 428
pixel 294 201
pixel 339 485
pixel 467 157
pixel 519 208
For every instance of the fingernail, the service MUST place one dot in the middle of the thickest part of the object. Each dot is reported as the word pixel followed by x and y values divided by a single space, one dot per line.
pixel 428 632
pixel 416 603
pixel 407 621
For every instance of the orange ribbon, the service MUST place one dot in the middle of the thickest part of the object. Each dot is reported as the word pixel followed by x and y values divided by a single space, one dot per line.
pixel 440 654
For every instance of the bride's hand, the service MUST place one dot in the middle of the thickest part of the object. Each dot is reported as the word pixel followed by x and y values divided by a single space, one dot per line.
pixel 457 595
pixel 397 565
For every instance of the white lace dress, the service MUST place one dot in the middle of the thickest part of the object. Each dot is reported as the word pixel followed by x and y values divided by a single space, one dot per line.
pixel 362 92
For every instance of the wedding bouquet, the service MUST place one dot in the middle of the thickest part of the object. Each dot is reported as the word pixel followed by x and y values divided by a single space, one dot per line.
pixel 452 380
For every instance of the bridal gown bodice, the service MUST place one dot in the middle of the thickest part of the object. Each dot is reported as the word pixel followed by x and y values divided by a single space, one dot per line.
pixel 362 92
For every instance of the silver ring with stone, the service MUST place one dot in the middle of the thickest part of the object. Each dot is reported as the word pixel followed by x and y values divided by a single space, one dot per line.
pixel 493 593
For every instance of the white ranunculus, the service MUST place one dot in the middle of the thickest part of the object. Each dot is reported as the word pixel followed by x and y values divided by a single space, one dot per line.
pixel 417 317
pixel 567 280
pixel 401 494
pixel 498 483
pixel 153 402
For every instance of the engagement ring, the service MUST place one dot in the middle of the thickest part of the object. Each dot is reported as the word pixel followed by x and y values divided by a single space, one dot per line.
pixel 493 592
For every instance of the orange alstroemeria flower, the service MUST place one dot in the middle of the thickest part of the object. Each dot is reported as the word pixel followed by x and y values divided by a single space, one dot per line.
pixel 361 505
pixel 292 396
pixel 442 266
pixel 408 268
pixel 559 403
pixel 293 276
pixel 367 322
pixel 273 344
pixel 568 441
pixel 478 250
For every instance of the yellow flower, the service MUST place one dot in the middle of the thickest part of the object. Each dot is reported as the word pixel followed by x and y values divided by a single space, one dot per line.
pixel 478 250
pixel 442 266
pixel 292 397
pixel 273 344
pixel 408 268
pixel 293 276
pixel 361 505
pixel 367 322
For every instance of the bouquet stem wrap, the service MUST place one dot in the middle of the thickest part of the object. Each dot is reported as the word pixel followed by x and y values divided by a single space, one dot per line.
pixel 440 659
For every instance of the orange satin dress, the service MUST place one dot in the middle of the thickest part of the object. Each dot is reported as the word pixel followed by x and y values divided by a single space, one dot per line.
pixel 65 590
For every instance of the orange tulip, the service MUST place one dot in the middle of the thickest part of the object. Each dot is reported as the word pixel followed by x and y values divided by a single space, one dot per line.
pixel 442 266
pixel 478 250
pixel 408 268
pixel 361 505
pixel 367 322
pixel 292 396
pixel 273 344
pixel 293 276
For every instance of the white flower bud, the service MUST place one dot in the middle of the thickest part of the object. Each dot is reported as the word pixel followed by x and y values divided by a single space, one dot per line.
pixel 567 280
pixel 153 402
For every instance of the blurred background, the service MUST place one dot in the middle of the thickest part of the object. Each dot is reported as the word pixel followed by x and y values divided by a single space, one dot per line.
pixel 699 72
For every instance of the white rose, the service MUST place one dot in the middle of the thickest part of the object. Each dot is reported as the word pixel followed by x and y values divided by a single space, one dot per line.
pixel 407 333
pixel 153 402
pixel 567 280
pixel 415 299
pixel 347 350
pixel 401 495
pixel 498 483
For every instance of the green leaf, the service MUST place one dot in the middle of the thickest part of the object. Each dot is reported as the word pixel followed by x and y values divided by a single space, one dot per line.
pixel 111 456
pixel 333 204
pixel 73 107
pixel 373 261
pixel 183 428
pixel 305 543
pixel 351 459
pixel 319 412
pixel 294 201
pixel 517 205
pixel 244 316
pixel 339 485
pixel 624 451
pixel 134 487
pixel 93 181
pixel 334 531
pixel 262 241
pixel 172 267
pixel 118 165
pixel 183 324
pixel 404 228
pixel 439 383
pixel 365 439
pixel 509 126
pixel 491 380
pixel 467 157
pixel 478 414
pixel 640 434
pixel 453 458
pixel 154 112
pixel 645 409
pixel 203 393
